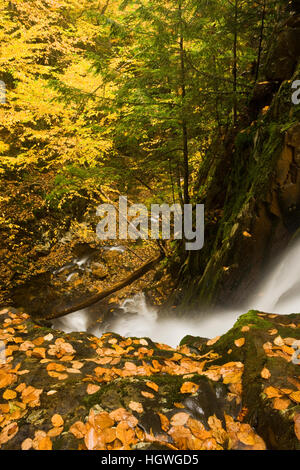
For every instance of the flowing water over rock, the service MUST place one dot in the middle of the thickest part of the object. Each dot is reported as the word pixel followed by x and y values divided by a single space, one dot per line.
pixel 279 293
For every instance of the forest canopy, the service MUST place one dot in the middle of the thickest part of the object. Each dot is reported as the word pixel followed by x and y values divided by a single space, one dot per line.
pixel 119 97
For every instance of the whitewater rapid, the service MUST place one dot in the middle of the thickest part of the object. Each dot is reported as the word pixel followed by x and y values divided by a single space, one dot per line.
pixel 279 293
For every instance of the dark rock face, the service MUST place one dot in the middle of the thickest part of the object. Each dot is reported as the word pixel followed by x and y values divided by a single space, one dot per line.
pixel 262 96
pixel 260 203
pixel 270 352
pixel 75 391
pixel 296 5
pixel 285 53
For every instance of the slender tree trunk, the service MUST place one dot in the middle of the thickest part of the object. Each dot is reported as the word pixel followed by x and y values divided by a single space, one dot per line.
pixel 186 174
pixel 179 189
pixel 261 36
pixel 172 181
pixel 235 41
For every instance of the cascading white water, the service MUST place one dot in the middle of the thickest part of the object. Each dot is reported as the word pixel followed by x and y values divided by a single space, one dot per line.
pixel 141 320
pixel 279 293
pixel 74 322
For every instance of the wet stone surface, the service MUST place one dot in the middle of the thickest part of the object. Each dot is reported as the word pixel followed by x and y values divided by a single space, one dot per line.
pixel 76 391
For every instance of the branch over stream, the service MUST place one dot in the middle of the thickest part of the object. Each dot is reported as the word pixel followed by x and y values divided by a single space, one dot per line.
pixel 107 292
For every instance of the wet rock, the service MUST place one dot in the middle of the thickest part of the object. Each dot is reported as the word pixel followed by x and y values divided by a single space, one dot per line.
pixel 147 395
pixel 262 96
pixel 271 385
pixel 285 53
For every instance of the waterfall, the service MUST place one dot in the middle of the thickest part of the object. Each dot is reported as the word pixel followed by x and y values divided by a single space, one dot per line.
pixel 278 293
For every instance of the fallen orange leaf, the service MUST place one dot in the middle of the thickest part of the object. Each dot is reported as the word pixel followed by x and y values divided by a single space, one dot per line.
pixel 9 395
pixel 239 342
pixel 135 406
pixel 57 421
pixel 189 387
pixel 265 373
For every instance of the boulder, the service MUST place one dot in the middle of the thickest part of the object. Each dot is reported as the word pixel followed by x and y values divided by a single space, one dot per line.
pixel 75 391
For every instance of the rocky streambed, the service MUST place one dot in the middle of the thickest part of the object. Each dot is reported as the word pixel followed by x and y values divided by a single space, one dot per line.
pixel 76 391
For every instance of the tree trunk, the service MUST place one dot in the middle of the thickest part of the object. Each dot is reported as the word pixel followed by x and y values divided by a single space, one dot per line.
pixel 235 39
pixel 186 175
pixel 261 36
pixel 107 292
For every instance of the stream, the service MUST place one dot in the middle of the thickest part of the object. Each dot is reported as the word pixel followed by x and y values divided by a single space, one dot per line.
pixel 278 293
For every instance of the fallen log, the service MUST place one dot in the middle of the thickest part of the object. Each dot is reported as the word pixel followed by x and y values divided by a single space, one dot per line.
pixel 146 267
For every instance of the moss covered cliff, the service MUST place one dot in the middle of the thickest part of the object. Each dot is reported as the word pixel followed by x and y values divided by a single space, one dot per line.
pixel 252 186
